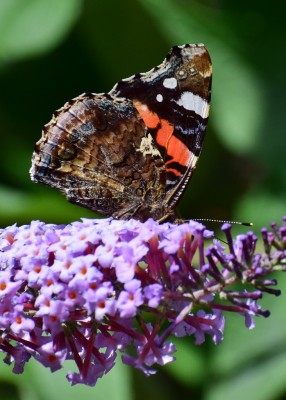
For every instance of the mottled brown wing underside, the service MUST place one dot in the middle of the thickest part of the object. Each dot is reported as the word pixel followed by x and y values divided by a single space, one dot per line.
pixel 97 151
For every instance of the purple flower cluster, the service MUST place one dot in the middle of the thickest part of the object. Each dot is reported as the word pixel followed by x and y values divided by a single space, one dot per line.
pixel 87 290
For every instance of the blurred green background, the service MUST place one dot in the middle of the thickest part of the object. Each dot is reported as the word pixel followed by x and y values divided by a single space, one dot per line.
pixel 53 50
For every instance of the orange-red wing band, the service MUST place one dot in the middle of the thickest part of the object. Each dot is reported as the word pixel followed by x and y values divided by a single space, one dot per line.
pixel 175 148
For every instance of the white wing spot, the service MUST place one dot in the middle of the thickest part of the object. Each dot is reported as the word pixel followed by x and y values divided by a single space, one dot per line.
pixel 159 98
pixel 170 83
pixel 147 146
pixel 194 102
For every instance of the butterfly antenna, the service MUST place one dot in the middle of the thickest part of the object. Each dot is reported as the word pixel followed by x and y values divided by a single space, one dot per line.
pixel 221 221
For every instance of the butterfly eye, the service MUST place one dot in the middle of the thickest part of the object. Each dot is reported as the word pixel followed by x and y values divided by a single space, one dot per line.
pixel 68 152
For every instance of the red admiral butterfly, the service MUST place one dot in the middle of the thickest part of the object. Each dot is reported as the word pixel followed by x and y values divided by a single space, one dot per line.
pixel 131 152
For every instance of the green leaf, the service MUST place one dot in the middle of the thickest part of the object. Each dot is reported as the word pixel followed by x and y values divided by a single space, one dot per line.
pixel 46 205
pixel 189 368
pixel 38 383
pixel 261 206
pixel 265 381
pixel 31 27
pixel 251 364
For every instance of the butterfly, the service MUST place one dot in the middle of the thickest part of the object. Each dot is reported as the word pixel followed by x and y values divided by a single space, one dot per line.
pixel 130 153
